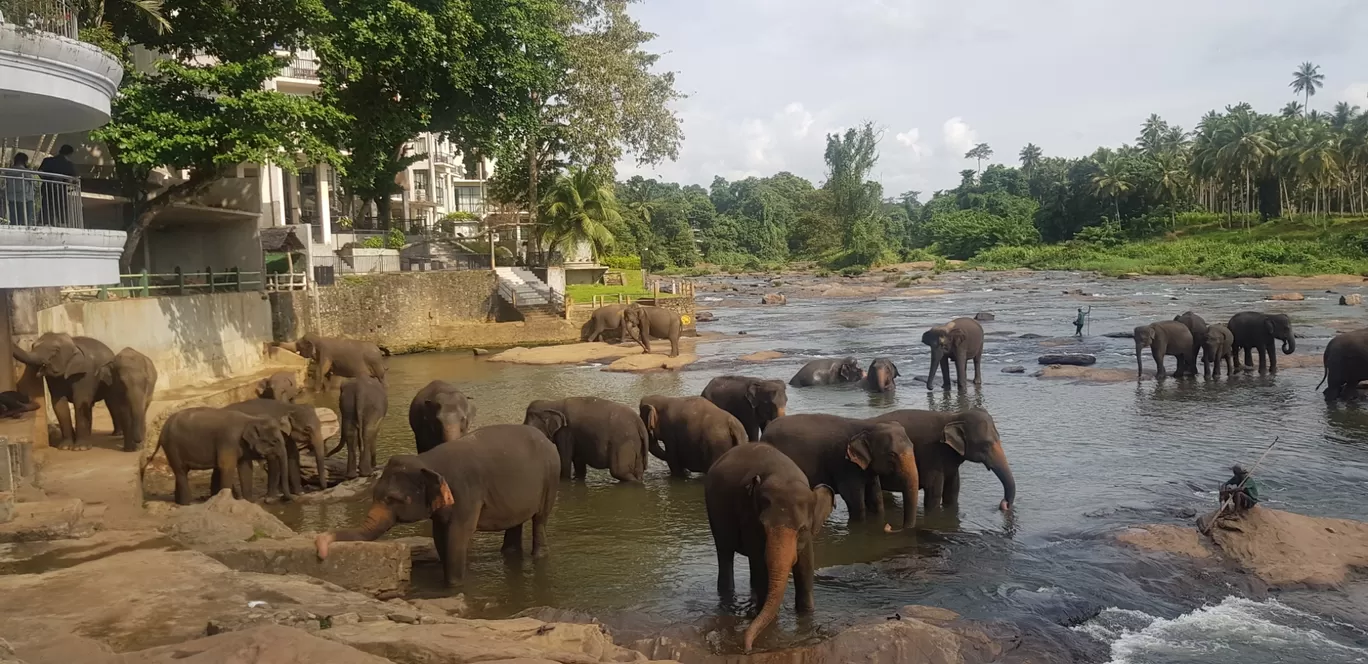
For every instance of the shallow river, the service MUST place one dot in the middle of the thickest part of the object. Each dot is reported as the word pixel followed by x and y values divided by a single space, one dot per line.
pixel 1088 459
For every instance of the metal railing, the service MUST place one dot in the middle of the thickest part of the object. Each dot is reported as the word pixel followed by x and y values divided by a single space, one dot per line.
pixel 144 284
pixel 286 281
pixel 306 68
pixel 33 198
pixel 55 16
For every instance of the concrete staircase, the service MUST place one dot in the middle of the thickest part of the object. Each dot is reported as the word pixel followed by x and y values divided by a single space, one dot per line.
pixel 530 295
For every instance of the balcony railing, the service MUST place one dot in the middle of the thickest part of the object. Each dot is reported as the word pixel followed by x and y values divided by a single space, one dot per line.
pixel 55 16
pixel 306 68
pixel 31 198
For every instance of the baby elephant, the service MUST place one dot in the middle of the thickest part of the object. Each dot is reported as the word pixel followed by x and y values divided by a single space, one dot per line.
pixel 363 403
pixel 439 413
pixel 280 386
pixel 881 375
pixel 1218 344
pixel 641 323
pixel 760 506
pixel 828 372
pixel 693 430
pixel 226 442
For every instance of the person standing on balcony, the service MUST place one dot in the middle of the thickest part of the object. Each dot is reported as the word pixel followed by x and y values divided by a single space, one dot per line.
pixel 21 192
pixel 56 204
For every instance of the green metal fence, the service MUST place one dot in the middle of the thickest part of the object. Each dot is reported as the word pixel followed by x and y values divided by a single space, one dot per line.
pixel 145 284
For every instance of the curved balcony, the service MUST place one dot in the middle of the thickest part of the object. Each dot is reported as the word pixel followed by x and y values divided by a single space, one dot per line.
pixel 43 241
pixel 50 82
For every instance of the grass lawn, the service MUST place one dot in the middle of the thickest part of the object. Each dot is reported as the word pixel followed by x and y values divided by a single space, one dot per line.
pixel 584 293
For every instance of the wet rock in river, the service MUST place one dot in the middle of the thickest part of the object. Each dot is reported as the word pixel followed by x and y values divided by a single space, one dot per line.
pixel 1014 369
pixel 1069 359
pixel 774 298
pixel 1031 335
pixel 1285 549
pixel 984 316
pixel 1120 335
pixel 1351 299
pixel 1287 297
pixel 761 356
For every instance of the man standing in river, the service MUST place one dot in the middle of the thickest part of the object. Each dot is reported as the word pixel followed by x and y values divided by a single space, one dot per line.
pixel 1082 318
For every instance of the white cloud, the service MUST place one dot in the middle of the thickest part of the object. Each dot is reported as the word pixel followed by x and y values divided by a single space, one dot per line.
pixel 1355 93
pixel 958 136
pixel 911 139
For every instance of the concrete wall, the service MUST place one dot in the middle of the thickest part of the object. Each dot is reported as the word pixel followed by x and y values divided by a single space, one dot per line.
pixel 220 245
pixel 192 339
pixel 412 311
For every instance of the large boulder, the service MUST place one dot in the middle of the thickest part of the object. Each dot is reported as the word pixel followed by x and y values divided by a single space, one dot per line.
pixel 267 644
pixel 218 521
pixel 1069 359
pixel 468 641
pixel 1289 550
pixel 1287 297
pixel 761 356
pixel 1351 299
pixel 774 298
pixel 375 568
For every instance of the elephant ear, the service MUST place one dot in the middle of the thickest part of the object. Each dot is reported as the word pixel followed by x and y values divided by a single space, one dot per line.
pixel 1270 324
pixel 954 437
pixel 957 336
pixel 650 416
pixel 263 387
pixel 436 489
pixel 857 451
pixel 823 501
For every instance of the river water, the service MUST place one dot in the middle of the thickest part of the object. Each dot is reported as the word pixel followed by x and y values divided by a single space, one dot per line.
pixel 1089 459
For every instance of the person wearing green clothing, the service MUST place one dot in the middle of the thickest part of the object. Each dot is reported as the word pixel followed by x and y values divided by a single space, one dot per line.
pixel 1082 318
pixel 1241 490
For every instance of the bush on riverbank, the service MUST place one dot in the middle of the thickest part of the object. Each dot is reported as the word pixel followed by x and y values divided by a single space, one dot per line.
pixel 1206 256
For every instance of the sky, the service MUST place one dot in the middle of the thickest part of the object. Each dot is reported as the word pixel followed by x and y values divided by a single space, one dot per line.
pixel 768 79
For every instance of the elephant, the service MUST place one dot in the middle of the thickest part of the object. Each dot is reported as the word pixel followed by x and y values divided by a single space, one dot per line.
pixel 1166 338
pixel 760 506
pixel 78 374
pixel 754 402
pixel 589 431
pixel 133 379
pixel 340 357
pixel 362 404
pixel 605 319
pixel 1257 330
pixel 1346 364
pixel 439 413
pixel 14 404
pixel 498 478
pixel 281 386
pixel 881 375
pixel 641 323
pixel 942 441
pixel 693 431
pixel 306 432
pixel 828 372
pixel 1198 327
pixel 1218 347
pixel 848 454
pixel 961 338
pixel 226 442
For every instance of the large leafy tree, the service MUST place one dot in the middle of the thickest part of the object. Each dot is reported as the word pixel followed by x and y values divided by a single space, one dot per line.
pixel 397 68
pixel 978 153
pixel 203 109
pixel 1306 80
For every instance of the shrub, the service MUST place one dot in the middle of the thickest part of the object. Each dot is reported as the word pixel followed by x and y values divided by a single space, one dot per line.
pixel 623 262
pixel 852 271
pixel 1106 234
pixel 395 239
pixel 964 233
pixel 373 242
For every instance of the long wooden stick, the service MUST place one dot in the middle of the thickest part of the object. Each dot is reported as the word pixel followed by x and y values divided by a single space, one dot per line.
pixel 1230 500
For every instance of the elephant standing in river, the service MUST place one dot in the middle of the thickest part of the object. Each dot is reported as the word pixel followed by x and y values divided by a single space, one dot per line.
pixel 78 374
pixel 496 478
pixel 226 442
pixel 438 414
pixel 1346 364
pixel 1165 338
pixel 641 323
pixel 828 372
pixel 881 375
pixel 1198 328
pixel 1218 347
pixel 132 380
pixel 1257 330
pixel 363 403
pixel 589 431
pixel 849 454
pixel 961 338
pixel 754 402
pixel 942 441
pixel 760 506
pixel 339 357
pixel 693 431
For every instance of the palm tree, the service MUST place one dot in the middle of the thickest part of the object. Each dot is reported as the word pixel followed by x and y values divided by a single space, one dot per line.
pixel 1151 138
pixel 1318 160
pixel 1306 80
pixel 578 207
pixel 979 152
pixel 1112 181
pixel 92 13
pixel 1343 114
pixel 1030 158
pixel 1172 182
pixel 1292 109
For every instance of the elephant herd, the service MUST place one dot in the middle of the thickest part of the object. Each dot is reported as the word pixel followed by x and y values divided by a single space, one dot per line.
pixel 1188 334
pixel 960 340
pixel 771 479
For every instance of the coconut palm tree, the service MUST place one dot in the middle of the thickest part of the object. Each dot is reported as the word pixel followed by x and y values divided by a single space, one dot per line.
pixel 1172 183
pixel 1318 160
pixel 1030 158
pixel 578 207
pixel 1306 80
pixel 1151 138
pixel 92 13
pixel 1112 181
pixel 1292 109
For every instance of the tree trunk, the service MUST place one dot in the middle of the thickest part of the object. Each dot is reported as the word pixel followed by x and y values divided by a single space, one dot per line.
pixel 533 170
pixel 147 210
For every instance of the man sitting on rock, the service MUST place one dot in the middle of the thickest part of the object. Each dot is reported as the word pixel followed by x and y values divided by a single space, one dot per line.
pixel 1240 490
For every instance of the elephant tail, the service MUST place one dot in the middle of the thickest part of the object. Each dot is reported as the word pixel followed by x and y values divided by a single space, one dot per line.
pixel 645 437
pixel 1325 372
pixel 142 471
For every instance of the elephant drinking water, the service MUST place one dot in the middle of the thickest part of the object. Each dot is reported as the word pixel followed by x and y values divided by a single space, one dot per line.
pixel 1256 330
pixel 942 441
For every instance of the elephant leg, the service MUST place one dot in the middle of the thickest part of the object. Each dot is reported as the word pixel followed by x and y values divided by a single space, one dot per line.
pixel 61 405
pixel 539 535
pixel 674 345
pixel 512 544
pixel 369 432
pixel 183 486
pixel 565 448
pixel 1230 369
pixel 933 484
pixel 349 435
pixel 293 475
pixel 961 369
pixel 1263 360
pixel 215 482
pixel 1272 358
pixel 726 573
pixel 874 497
pixel 581 469
pixel 978 369
pixel 852 492
pixel 950 489
pixel 228 473
pixel 459 530
pixel 1159 354
pixel 1248 358
pixel 803 571
pixel 623 466
pixel 118 414
pixel 246 488
pixel 945 372
pixel 85 416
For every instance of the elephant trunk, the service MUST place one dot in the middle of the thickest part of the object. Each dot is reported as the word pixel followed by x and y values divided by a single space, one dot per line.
pixel 936 355
pixel 320 452
pixel 781 552
pixel 378 522
pixel 451 431
pixel 1289 344
pixel 1139 354
pixel 907 467
pixel 997 462
pixel 653 444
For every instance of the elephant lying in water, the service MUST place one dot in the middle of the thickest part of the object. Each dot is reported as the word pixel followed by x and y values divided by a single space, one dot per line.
pixel 496 478
pixel 881 375
pixel 828 372
pixel 760 506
